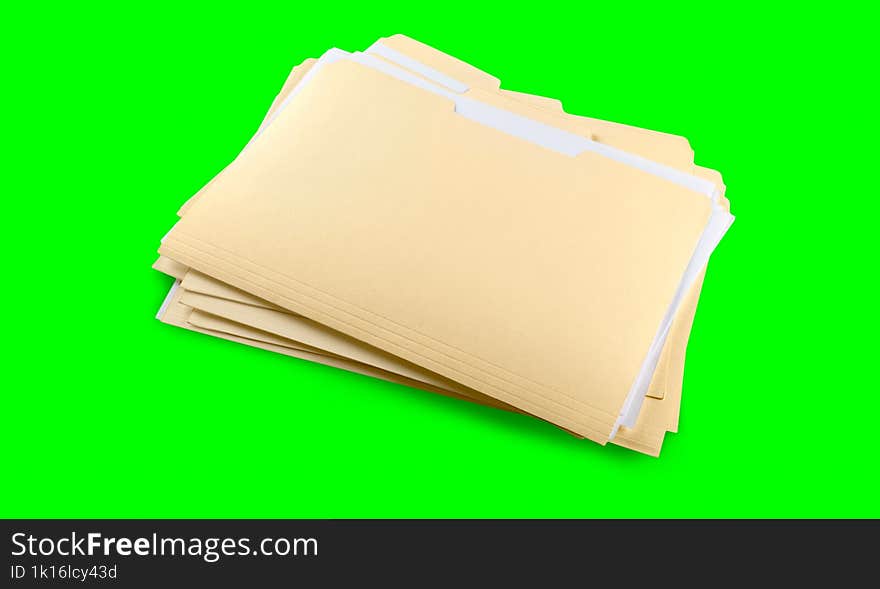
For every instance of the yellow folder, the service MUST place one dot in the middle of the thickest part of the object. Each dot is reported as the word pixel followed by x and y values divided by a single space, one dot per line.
pixel 678 338
pixel 227 234
pixel 674 149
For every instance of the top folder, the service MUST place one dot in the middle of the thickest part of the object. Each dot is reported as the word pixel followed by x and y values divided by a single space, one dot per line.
pixel 660 147
pixel 442 231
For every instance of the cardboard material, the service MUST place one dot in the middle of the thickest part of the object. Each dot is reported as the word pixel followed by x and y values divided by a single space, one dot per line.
pixel 322 145
pixel 334 307
pixel 617 135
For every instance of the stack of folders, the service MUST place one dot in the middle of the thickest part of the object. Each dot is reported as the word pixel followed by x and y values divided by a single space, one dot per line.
pixel 399 215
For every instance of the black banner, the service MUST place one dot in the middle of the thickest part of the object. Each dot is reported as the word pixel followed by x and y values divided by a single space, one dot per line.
pixel 287 553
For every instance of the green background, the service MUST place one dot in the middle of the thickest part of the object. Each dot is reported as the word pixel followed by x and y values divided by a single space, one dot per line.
pixel 114 115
